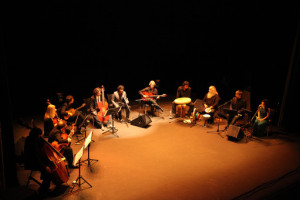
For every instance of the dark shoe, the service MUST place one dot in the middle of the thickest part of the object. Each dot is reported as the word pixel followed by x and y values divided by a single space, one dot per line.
pixel 73 167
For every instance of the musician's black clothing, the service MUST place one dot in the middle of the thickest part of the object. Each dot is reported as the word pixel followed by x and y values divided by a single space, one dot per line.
pixel 72 119
pixel 183 93
pixel 214 102
pixel 55 135
pixel 237 104
pixel 95 109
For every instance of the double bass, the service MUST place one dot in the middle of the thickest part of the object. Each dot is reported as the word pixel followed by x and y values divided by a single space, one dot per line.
pixel 103 107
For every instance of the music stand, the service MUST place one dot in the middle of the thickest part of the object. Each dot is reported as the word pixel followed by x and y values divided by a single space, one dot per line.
pixel 87 145
pixel 79 178
pixel 218 129
pixel 83 124
pixel 113 129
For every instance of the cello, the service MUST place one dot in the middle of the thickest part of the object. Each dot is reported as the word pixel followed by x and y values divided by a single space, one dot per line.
pixel 57 164
pixel 103 107
pixel 55 160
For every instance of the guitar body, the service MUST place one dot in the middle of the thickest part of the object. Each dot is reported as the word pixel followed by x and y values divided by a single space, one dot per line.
pixel 148 95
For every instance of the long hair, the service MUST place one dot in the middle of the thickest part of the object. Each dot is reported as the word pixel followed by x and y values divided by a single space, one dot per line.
pixel 212 91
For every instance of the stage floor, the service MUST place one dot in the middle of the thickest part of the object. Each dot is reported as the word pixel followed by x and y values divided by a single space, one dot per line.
pixel 171 159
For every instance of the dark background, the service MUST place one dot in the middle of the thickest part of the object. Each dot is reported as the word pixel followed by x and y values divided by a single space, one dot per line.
pixel 74 46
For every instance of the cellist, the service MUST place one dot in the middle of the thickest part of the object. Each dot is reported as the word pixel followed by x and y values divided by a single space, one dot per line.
pixel 34 159
pixel 97 99
pixel 56 136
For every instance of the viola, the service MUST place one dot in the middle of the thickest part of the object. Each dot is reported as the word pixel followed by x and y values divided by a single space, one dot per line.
pixel 103 107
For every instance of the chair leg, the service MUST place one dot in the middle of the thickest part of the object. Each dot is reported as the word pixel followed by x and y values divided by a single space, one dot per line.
pixel 31 178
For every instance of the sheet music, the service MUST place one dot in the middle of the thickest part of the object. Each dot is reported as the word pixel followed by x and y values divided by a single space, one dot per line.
pixel 88 140
pixel 78 156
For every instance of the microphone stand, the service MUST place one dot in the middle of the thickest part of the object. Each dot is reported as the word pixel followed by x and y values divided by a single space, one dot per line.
pixel 218 129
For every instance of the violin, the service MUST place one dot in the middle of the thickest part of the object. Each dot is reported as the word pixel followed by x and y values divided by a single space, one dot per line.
pixel 103 107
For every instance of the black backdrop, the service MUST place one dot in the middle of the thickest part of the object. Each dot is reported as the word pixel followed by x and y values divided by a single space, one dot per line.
pixel 74 46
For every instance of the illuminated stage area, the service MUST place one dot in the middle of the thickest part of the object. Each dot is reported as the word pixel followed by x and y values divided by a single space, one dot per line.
pixel 171 159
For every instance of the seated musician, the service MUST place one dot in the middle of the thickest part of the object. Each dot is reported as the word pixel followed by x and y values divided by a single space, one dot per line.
pixel 55 138
pixel 262 119
pixel 210 102
pixel 33 159
pixel 95 99
pixel 183 91
pixel 49 118
pixel 239 104
pixel 151 90
pixel 70 114
pixel 119 98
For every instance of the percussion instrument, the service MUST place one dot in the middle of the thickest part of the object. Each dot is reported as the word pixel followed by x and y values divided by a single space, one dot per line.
pixel 182 105
pixel 206 116
pixel 182 100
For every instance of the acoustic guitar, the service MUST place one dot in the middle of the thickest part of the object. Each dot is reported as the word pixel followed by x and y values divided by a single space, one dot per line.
pixel 72 111
pixel 150 95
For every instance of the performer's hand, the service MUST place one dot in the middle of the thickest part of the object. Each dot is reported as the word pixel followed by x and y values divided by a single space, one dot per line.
pixel 69 139
pixel 158 97
pixel 117 106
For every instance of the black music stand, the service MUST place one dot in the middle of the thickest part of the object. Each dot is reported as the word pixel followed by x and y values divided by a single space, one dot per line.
pixel 113 129
pixel 78 181
pixel 87 145
pixel 218 129
pixel 83 124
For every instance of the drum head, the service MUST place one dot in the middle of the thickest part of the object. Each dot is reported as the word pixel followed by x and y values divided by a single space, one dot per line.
pixel 183 100
pixel 206 116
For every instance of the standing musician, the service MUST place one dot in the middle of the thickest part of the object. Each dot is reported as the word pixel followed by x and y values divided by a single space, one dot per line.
pixel 210 102
pixel 183 91
pixel 119 98
pixel 239 104
pixel 70 114
pixel 55 137
pixel 148 91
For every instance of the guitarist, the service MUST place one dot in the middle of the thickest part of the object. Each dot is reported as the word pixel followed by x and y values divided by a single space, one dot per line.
pixel 70 114
pixel 148 91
